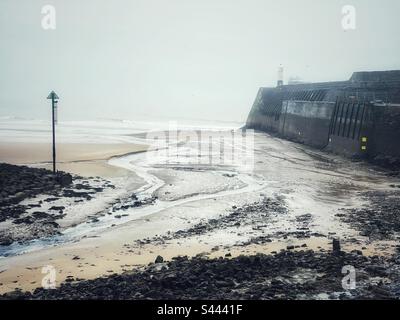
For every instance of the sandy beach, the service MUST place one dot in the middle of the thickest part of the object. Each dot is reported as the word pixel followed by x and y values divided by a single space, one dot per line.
pixel 196 159
pixel 86 159
pixel 169 208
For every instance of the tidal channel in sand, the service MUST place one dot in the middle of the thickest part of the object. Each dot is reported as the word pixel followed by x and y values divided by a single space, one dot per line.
pixel 312 187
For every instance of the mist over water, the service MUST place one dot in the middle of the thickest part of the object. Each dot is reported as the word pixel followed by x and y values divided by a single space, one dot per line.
pixel 154 183
pixel 181 59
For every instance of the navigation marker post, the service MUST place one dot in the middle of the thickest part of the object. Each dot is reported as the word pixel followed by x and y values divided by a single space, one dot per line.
pixel 54 100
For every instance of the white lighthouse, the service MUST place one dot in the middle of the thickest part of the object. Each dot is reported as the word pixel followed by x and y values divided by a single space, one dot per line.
pixel 280 76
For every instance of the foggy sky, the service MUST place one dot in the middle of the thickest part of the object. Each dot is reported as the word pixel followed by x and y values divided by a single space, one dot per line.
pixel 201 59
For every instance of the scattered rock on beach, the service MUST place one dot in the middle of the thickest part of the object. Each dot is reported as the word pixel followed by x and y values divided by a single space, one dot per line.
pixel 20 183
pixel 380 219
pixel 286 275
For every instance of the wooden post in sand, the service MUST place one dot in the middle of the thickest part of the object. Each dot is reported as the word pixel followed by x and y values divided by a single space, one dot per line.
pixel 54 99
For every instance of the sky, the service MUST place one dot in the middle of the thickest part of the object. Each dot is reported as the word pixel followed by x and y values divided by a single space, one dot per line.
pixel 181 59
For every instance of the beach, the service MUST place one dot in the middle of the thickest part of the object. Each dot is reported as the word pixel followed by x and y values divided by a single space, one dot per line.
pixel 186 157
pixel 292 199
pixel 78 158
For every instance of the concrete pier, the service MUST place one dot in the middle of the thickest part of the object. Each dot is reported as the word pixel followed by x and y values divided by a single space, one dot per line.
pixel 357 118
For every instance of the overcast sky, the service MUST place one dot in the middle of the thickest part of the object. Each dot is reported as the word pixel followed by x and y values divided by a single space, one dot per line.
pixel 201 59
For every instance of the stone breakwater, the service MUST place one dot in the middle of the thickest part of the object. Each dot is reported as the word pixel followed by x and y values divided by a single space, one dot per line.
pixel 31 201
pixel 285 275
pixel 359 118
pixel 20 182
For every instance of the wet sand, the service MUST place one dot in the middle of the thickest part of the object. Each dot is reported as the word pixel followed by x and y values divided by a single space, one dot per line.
pixel 85 159
pixel 312 186
pixel 91 168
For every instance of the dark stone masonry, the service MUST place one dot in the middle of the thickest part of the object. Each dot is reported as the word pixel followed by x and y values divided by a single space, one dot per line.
pixel 358 118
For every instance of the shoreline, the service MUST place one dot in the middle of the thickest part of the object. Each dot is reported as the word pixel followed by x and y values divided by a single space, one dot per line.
pixel 212 214
pixel 48 211
pixel 84 159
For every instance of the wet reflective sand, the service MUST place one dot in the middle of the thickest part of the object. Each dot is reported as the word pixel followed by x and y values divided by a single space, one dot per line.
pixel 311 186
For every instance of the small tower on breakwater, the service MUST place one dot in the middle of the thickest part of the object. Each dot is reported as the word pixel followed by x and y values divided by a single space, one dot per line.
pixel 280 76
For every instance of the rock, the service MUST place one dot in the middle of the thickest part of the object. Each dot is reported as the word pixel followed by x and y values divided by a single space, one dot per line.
pixel 57 208
pixel 159 259
pixel 26 220
pixel 336 246
pixel 6 241
pixel 41 215
pixel 245 277
pixel 53 224
pixel 64 179
pixel 357 252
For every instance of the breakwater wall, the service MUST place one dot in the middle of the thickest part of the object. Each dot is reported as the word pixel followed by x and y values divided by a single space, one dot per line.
pixel 357 118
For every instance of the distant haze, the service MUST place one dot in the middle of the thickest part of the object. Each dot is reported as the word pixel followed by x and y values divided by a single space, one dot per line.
pixel 202 59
